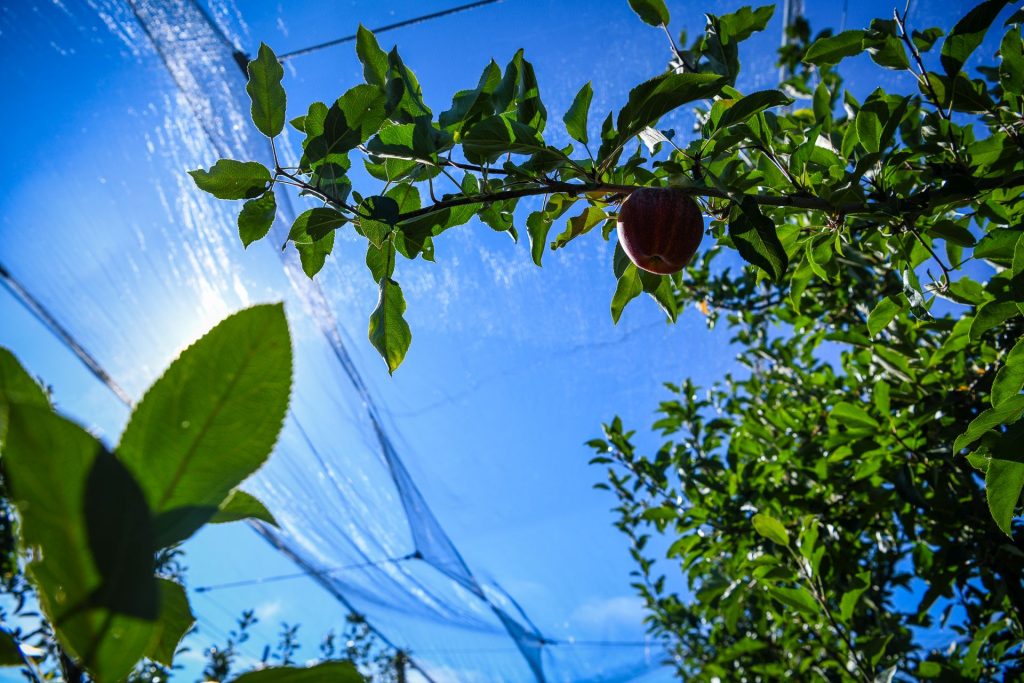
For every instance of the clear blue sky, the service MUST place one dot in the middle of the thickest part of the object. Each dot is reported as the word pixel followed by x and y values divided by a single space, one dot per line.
pixel 512 368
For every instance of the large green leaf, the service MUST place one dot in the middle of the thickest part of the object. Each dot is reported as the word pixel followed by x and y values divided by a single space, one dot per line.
pixel 16 386
pixel 85 524
pixel 968 33
pixel 352 120
pixel 175 620
pixel 498 135
pixel 389 332
pixel 266 92
pixel 230 179
pixel 756 239
pixel 652 99
pixel 883 313
pixel 1004 478
pixel 211 420
pixel 1010 379
pixel 373 58
pixel 1008 411
pixel 833 49
pixel 652 12
pixel 751 104
pixel 1004 481
pixel 327 672
pixel 241 505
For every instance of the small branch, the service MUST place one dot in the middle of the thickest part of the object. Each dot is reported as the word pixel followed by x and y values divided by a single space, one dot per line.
pixel 685 63
pixel 819 597
pixel 922 76
pixel 944 285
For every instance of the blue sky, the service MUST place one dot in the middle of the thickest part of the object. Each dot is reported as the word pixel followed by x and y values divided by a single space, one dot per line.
pixel 511 370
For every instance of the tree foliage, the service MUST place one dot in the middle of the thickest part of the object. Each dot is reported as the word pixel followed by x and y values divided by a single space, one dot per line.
pixel 862 478
pixel 854 489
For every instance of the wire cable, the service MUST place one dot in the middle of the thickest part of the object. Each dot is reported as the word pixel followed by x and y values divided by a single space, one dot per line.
pixel 388 27
pixel 300 575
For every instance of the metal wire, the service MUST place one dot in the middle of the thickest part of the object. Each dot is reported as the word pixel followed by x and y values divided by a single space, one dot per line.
pixel 388 27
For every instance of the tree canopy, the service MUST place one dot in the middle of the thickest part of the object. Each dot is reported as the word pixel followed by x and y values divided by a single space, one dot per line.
pixel 861 479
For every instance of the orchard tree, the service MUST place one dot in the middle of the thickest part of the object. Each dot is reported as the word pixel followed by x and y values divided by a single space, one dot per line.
pixel 860 480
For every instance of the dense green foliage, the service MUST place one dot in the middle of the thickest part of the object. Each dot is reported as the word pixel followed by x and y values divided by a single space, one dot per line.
pixel 866 473
pixel 863 477
pixel 846 506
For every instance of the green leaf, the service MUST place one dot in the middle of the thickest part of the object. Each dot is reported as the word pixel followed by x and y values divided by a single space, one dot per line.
pixel 175 620
pixel 1011 64
pixel 256 218
pixel 89 531
pixel 883 313
pixel 1010 379
pixel 652 12
pixel 756 239
pixel 770 528
pixel 335 672
pixel 315 224
pixel 797 598
pixel 1004 481
pixel 538 225
pixel 241 505
pixel 952 232
pixel 389 332
pixel 498 135
pixel 404 102
pixel 751 104
pixel 849 600
pixel 579 225
pixel 373 59
pixel 967 35
pixel 924 40
pixel 17 386
pixel 833 49
pixel 380 260
pixel 737 26
pixel 628 288
pixel 10 653
pixel 990 315
pixel 230 179
pixel 852 416
pixel 352 120
pixel 211 420
pixel 265 91
pixel 652 99
pixel 885 46
pixel 1006 412
pixel 313 255
pixel 998 246
pixel 576 118
pixel 870 124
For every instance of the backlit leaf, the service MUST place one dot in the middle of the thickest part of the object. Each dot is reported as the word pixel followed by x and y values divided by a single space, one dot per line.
pixel 211 420
pixel 265 91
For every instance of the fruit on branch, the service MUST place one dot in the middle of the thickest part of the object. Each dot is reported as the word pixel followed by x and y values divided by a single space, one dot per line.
pixel 660 229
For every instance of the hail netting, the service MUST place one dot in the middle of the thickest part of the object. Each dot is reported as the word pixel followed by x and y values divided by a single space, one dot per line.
pixel 162 264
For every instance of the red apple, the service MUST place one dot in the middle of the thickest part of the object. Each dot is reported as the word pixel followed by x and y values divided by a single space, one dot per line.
pixel 660 229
